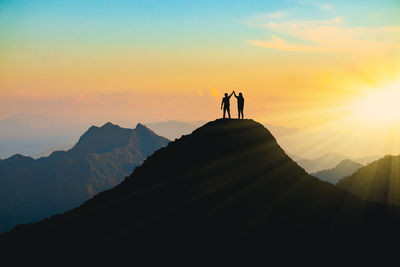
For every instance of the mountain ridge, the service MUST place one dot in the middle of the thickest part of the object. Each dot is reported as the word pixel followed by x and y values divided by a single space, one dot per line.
pixel 103 156
pixel 228 179
pixel 344 168
pixel 330 160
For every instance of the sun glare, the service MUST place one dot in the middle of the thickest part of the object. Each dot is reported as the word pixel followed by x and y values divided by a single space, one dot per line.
pixel 381 106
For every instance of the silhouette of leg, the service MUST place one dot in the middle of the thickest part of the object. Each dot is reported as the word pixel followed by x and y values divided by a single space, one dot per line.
pixel 224 113
pixel 229 113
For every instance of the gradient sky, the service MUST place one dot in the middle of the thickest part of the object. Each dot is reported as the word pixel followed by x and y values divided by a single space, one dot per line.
pixel 307 64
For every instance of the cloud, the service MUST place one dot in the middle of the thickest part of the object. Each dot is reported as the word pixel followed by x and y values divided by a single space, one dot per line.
pixel 279 44
pixel 327 36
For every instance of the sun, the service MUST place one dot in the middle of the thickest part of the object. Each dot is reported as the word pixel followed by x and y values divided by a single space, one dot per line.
pixel 381 106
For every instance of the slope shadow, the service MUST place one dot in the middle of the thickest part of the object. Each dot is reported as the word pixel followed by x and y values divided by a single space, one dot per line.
pixel 229 180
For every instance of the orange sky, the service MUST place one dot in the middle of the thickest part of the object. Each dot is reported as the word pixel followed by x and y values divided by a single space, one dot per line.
pixel 295 66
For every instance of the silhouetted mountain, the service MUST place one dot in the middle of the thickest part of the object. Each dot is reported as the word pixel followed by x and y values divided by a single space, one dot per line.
pixel 344 168
pixel 326 161
pixel 32 189
pixel 226 181
pixel 329 161
pixel 378 181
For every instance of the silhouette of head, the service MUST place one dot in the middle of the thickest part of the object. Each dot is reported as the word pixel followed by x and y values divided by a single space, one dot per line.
pixel 226 94
pixel 240 94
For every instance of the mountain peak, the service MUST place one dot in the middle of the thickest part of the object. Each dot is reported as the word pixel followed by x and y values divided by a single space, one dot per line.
pixel 228 178
pixel 18 158
pixel 349 162
pixel 246 130
pixel 102 158
pixel 110 136
pixel 143 129
pixel 103 139
pixel 344 168
pixel 109 125
pixel 139 126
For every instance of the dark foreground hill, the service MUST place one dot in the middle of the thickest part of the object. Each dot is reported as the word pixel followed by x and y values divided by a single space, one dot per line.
pixel 228 180
pixel 379 181
pixel 344 168
pixel 33 189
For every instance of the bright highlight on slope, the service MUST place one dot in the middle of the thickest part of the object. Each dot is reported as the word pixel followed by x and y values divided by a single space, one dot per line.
pixel 381 106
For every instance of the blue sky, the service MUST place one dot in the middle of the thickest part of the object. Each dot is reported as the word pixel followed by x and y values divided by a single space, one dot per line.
pixel 305 55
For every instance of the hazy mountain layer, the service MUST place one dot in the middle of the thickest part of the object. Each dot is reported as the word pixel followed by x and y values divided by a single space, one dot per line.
pixel 344 168
pixel 228 180
pixel 329 161
pixel 32 189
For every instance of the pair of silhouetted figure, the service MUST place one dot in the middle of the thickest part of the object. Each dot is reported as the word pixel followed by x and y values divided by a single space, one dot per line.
pixel 226 105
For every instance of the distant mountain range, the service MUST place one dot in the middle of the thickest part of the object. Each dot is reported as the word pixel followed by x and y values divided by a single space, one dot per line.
pixel 344 168
pixel 32 189
pixel 379 181
pixel 329 161
pixel 227 181
pixel 39 135
pixel 310 145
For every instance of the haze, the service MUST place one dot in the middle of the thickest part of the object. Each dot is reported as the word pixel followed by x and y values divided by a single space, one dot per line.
pixel 320 66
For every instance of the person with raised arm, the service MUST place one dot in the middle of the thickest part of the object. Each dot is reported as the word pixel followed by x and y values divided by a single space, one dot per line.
pixel 226 105
pixel 240 104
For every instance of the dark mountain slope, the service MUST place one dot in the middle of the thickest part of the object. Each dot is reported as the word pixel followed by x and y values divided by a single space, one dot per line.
pixel 378 181
pixel 344 168
pixel 227 180
pixel 32 189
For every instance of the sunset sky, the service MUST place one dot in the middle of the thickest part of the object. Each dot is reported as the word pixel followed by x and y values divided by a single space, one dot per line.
pixel 305 64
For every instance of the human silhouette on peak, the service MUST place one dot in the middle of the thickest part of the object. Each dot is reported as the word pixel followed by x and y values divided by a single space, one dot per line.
pixel 240 103
pixel 226 105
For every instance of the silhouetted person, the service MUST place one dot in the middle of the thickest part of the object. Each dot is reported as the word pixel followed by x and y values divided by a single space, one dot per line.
pixel 240 103
pixel 226 105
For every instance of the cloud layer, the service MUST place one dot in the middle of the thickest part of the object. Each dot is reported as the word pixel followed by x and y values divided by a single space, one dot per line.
pixel 323 36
